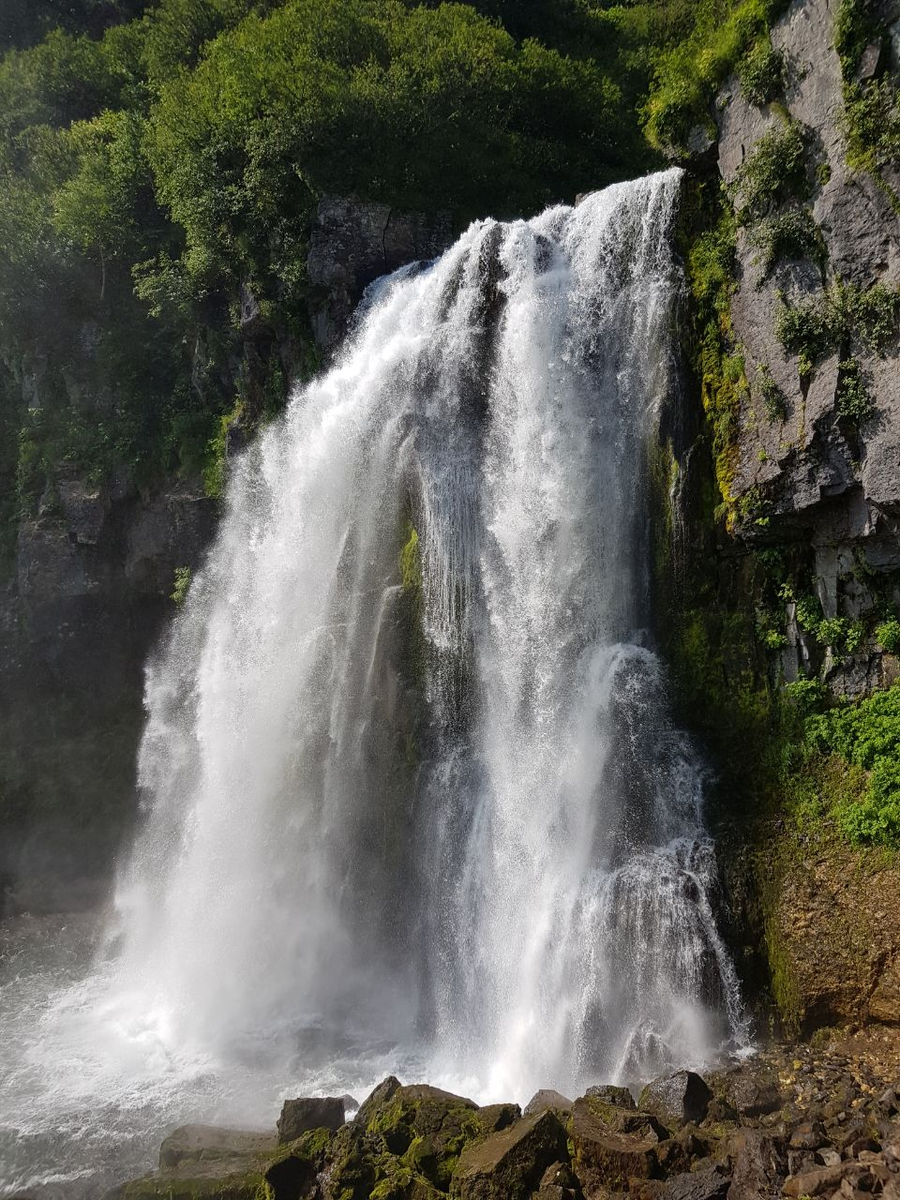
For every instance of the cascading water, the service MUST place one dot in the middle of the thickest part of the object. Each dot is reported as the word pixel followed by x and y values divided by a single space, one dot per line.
pixel 409 777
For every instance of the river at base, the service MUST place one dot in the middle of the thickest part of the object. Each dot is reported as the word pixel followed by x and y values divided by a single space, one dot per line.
pixel 85 1101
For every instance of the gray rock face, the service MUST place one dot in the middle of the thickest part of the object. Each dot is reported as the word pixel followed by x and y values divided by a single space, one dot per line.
pixel 818 478
pixel 545 1099
pixel 94 572
pixel 355 241
pixel 676 1099
pixel 209 1145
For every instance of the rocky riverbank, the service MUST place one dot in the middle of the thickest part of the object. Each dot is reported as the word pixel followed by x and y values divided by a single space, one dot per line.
pixel 797 1121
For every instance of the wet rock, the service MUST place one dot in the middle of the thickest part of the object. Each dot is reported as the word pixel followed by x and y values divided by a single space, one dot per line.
pixel 809 1136
pixel 293 1171
pixel 558 1183
pixel 379 1096
pixel 210 1145
pixel 352 243
pixel 630 1121
pixel 759 1165
pixel 494 1117
pixel 676 1099
pixel 510 1165
pixel 301 1115
pixel 710 1183
pixel 547 1098
pixel 618 1096
pixel 427 1126
pixel 605 1157
pixel 232 1187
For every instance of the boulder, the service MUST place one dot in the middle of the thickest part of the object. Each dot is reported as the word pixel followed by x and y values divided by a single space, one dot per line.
pixel 293 1171
pixel 211 1146
pixel 814 1183
pixel 558 1183
pixel 808 1136
pixel 309 1112
pixel 494 1117
pixel 619 1096
pixel 425 1126
pixel 510 1165
pixel 376 1098
pixel 753 1093
pixel 547 1098
pixel 709 1183
pixel 622 1120
pixel 248 1186
pixel 676 1099
pixel 606 1154
pixel 758 1165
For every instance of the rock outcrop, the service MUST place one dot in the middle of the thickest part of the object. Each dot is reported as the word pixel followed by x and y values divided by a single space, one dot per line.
pixel 834 1131
pixel 810 467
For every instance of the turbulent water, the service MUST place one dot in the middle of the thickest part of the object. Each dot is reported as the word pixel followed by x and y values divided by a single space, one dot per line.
pixel 412 797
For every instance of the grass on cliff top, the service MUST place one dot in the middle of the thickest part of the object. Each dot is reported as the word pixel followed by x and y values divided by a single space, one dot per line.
pixel 690 73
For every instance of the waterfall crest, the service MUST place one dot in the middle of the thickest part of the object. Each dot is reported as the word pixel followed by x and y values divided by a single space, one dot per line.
pixel 408 769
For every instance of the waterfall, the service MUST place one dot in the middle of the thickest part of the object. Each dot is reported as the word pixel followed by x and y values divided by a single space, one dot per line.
pixel 408 770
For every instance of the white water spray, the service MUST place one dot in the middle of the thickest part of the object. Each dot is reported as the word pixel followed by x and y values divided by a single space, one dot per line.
pixel 451 810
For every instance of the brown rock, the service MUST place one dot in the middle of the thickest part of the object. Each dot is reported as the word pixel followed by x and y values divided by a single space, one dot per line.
pixel 814 1183
pixel 618 1096
pixel 510 1165
pixel 711 1183
pixel 809 1136
pixel 494 1117
pixel 759 1165
pixel 547 1098
pixel 558 1183
pixel 604 1158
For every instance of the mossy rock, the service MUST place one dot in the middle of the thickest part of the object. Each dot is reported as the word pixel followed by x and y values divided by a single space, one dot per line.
pixel 250 1186
pixel 426 1128
pixel 510 1165
pixel 292 1172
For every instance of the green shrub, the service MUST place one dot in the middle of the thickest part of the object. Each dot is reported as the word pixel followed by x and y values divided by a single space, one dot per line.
pixel 853 399
pixel 182 586
pixel 773 397
pixel 761 72
pixel 689 74
pixel 834 318
pixel 888 635
pixel 787 236
pixel 806 695
pixel 774 171
pixel 871 108
pixel 866 734
pixel 831 631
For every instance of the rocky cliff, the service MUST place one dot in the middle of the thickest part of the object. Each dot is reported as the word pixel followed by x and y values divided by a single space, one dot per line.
pixel 789 579
pixel 816 455
pixel 95 569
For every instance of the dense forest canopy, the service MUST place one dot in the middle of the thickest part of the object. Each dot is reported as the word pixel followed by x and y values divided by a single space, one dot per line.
pixel 154 157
